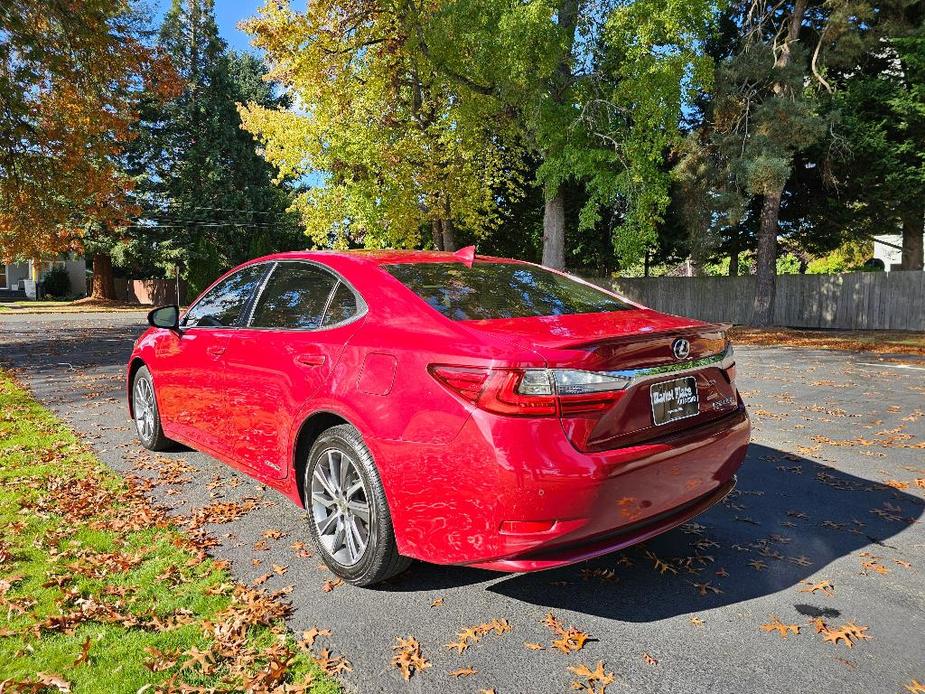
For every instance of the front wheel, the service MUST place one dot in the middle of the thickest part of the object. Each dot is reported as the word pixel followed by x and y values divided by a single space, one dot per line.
pixel 145 413
pixel 350 520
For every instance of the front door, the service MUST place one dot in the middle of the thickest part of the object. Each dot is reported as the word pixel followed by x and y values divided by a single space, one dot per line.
pixel 189 384
pixel 3 284
pixel 190 380
pixel 301 322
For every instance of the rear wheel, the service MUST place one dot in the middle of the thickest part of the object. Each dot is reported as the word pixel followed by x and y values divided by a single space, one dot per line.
pixel 350 520
pixel 145 413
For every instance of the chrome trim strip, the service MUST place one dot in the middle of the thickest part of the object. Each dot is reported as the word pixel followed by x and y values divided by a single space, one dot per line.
pixel 362 306
pixel 724 359
pixel 624 379
pixel 259 292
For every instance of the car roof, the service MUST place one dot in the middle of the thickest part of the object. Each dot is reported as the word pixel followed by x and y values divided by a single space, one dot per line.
pixel 384 256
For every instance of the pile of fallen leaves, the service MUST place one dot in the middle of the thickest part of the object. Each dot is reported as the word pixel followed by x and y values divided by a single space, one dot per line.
pixel 877 341
pixel 102 592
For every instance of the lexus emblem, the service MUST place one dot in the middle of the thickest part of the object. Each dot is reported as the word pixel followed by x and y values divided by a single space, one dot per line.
pixel 681 348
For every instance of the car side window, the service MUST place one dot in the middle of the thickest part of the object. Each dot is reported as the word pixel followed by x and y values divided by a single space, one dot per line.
pixel 342 307
pixel 295 296
pixel 223 304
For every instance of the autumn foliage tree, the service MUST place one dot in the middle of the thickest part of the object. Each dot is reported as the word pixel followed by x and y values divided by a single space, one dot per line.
pixel 70 74
pixel 398 157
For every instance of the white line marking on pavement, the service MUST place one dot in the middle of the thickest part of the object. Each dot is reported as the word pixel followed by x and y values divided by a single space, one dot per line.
pixel 893 366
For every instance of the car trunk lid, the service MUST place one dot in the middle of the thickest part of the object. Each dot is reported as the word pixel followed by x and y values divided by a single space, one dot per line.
pixel 670 386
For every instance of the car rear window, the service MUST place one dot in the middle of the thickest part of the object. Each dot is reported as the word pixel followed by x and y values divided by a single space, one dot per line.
pixel 500 290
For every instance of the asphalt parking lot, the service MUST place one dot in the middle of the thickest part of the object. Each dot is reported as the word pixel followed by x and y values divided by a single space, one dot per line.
pixel 832 491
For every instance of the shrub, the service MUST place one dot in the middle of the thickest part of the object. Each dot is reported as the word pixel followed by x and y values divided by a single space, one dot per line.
pixel 57 283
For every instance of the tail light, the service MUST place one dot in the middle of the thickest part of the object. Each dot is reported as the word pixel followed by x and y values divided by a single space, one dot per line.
pixel 531 392
pixel 566 392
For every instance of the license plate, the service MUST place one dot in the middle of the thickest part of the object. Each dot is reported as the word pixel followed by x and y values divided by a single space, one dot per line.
pixel 673 400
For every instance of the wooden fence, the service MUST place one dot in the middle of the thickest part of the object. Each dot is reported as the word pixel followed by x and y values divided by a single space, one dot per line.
pixel 852 300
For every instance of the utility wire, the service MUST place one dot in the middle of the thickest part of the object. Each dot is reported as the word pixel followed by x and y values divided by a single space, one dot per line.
pixel 223 209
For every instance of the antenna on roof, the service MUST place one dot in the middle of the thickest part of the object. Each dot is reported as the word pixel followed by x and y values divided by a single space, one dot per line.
pixel 465 255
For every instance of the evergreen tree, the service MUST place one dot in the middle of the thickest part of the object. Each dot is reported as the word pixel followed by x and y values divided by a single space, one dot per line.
pixel 209 198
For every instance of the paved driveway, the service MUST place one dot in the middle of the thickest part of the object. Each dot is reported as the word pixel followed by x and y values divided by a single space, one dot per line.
pixel 830 428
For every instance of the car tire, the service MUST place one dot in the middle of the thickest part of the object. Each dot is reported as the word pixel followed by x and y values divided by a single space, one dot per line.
pixel 145 413
pixel 341 488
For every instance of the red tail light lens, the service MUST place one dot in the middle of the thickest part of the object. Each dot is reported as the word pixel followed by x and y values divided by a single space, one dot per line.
pixel 528 392
pixel 466 382
pixel 494 390
pixel 502 396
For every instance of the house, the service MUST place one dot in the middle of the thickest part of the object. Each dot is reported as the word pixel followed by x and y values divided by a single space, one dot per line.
pixel 889 249
pixel 18 279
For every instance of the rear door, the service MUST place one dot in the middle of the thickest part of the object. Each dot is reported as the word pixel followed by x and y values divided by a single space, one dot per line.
pixel 299 325
pixel 189 377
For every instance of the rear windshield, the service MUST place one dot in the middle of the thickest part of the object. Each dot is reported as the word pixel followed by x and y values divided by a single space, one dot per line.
pixel 500 290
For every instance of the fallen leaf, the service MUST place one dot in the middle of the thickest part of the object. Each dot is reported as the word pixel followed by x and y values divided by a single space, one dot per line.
pixel 706 588
pixel 54 680
pixel 308 637
pixel 328 586
pixel 331 664
pixel 84 653
pixel 570 640
pixel 782 629
pixel 649 659
pixel 595 681
pixel 408 657
pixel 437 602
pixel 850 633
pixel 534 646
pixel 464 672
pixel 825 586
pixel 475 633
pixel 160 660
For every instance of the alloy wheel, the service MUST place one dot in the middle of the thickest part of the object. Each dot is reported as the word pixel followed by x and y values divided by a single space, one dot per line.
pixel 144 409
pixel 340 507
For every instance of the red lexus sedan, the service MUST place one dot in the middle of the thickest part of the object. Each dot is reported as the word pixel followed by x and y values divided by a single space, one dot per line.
pixel 453 408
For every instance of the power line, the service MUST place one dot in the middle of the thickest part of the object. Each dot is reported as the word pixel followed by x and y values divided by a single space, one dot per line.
pixel 224 209
pixel 201 224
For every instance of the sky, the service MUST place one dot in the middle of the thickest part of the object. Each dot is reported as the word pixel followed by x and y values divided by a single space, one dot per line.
pixel 227 14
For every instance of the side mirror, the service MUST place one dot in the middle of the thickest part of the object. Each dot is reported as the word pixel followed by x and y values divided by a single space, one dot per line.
pixel 165 317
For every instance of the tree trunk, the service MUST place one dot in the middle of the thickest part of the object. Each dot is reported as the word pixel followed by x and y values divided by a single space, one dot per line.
pixel 103 285
pixel 449 238
pixel 436 235
pixel 558 85
pixel 734 264
pixel 913 219
pixel 766 261
pixel 554 232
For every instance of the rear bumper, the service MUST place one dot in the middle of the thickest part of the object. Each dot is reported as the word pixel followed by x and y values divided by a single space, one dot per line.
pixel 613 541
pixel 514 495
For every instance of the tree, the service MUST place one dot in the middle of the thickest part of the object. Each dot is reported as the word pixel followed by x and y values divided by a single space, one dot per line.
pixel 395 153
pixel 70 78
pixel 775 129
pixel 597 91
pixel 883 104
pixel 207 197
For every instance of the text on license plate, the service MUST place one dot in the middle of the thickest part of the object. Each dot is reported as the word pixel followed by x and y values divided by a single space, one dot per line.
pixel 673 400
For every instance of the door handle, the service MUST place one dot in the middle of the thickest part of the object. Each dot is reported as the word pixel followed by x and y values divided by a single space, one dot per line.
pixel 310 359
pixel 215 351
